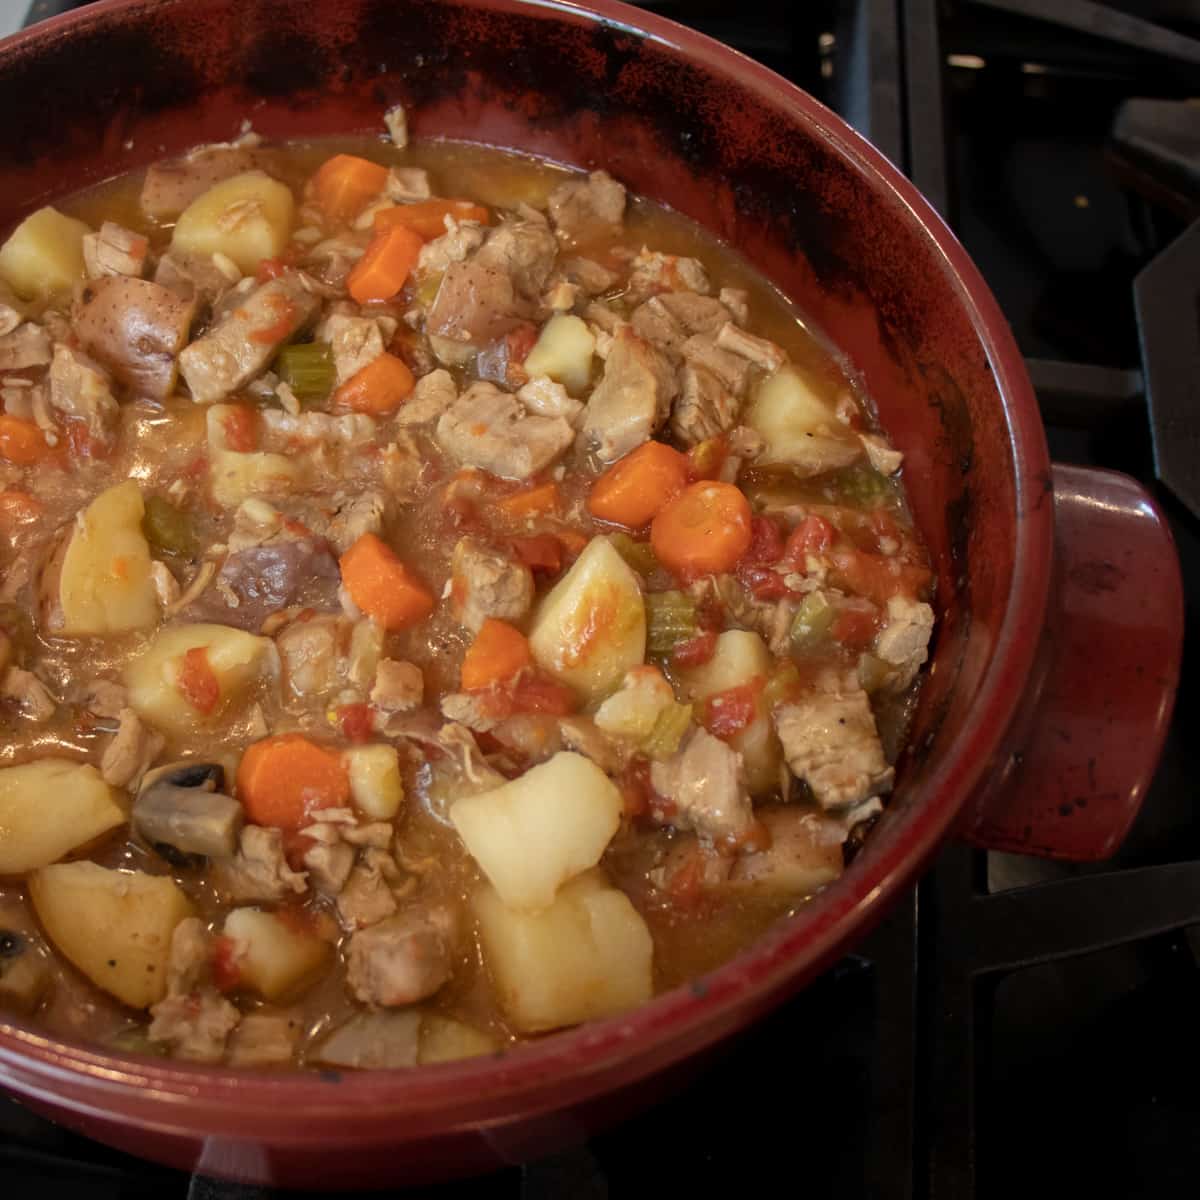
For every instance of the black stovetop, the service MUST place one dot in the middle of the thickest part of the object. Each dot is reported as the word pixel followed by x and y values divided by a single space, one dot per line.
pixel 922 1066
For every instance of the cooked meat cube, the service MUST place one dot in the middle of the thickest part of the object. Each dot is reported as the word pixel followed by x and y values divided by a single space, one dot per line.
pixel 194 1026
pixel 830 741
pixel 29 693
pixel 457 244
pixel 590 277
pixel 104 698
pixel 703 780
pixel 356 516
pixel 399 686
pixel 432 395
pixel 731 369
pixel 259 870
pixel 27 345
pixel 652 272
pixel 80 391
pixel 191 277
pixel 329 866
pixel 704 408
pixel 904 641
pixel 805 853
pixel 881 456
pixel 115 250
pixel 669 320
pixel 490 429
pixel 308 652
pixel 245 340
pixel 405 184
pixel 189 961
pixel 522 250
pixel 586 208
pixel 488 584
pixel 469 709
pixel 132 749
pixel 400 960
pixel 737 300
pixel 354 341
pixel 263 1040
pixel 402 467
pixel 541 395
pixel 367 897
pixel 755 349
pixel 474 305
pixel 632 400
pixel 172 185
pixel 136 329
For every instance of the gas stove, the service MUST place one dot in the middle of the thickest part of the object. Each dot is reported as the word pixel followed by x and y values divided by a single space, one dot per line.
pixel 1015 1025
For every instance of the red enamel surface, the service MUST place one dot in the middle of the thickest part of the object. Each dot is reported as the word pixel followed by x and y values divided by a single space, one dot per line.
pixel 688 122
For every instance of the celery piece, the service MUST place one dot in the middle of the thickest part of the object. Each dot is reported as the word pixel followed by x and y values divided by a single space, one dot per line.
pixel 861 486
pixel 639 555
pixel 427 289
pixel 813 619
pixel 782 686
pixel 672 723
pixel 307 368
pixel 873 673
pixel 168 528
pixel 670 619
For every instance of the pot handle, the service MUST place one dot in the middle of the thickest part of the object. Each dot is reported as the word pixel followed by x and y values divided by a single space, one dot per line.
pixel 1084 747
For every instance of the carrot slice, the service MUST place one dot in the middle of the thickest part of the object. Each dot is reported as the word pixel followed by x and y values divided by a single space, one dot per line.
pixel 428 217
pixel 704 530
pixel 385 267
pixel 635 488
pixel 22 442
pixel 283 779
pixel 345 183
pixel 379 583
pixel 380 387
pixel 498 652
pixel 541 498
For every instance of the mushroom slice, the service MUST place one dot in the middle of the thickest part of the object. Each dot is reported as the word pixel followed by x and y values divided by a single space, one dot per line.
pixel 181 806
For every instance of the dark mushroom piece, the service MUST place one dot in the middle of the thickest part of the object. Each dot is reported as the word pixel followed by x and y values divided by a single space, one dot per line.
pixel 24 972
pixel 181 810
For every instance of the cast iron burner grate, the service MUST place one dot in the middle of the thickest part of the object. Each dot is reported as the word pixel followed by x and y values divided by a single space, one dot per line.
pixel 1013 1024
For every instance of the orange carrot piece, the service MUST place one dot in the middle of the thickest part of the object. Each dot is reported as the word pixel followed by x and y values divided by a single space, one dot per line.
pixel 345 183
pixel 283 779
pixel 198 683
pixel 498 652
pixel 541 498
pixel 379 583
pixel 385 267
pixel 18 508
pixel 22 442
pixel 428 217
pixel 380 387
pixel 636 488
pixel 703 531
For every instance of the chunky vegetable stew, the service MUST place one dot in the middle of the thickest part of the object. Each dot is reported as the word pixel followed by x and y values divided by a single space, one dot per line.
pixel 444 599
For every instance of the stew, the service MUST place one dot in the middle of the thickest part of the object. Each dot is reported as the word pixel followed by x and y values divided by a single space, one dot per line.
pixel 444 599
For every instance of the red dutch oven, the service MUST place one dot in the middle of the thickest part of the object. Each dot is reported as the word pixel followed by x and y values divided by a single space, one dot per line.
pixel 1059 596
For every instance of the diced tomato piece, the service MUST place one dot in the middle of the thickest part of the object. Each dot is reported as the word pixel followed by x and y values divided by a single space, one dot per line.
pixel 730 711
pixel 636 791
pixel 226 974
pixel 814 535
pixel 766 542
pixel 535 693
pixel 240 424
pixel 540 552
pixel 520 341
pixel 877 577
pixel 197 682
pixel 854 628
pixel 762 582
pixel 355 721
pixel 695 651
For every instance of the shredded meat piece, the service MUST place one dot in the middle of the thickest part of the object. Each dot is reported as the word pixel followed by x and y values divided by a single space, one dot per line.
pixel 542 396
pixel 704 409
pixel 80 391
pixel 402 467
pixel 589 276
pixel 704 781
pixel 488 584
pixel 737 300
pixel 465 708
pixel 329 866
pixel 524 251
pixel 405 184
pixel 903 642
pixel 366 897
pixel 357 515
pixel 114 250
pixel 458 243
pixel 880 455
pixel 400 960
pixel 264 1040
pixel 29 693
pixel 433 395
pixel 244 341
pixel 132 749
pixel 259 871
pixel 731 369
pixel 583 735
pixel 308 652
pixel 490 429
pixel 354 341
pixel 805 852
pixel 10 315
pixel 631 401
pixel 652 272
pixel 830 741
pixel 399 686
pixel 585 208
pixel 105 698
pixel 26 345
pixel 759 351
pixel 669 320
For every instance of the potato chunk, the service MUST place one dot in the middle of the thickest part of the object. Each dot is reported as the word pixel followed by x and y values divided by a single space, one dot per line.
pixel 49 808
pixel 247 218
pixel 99 579
pixel 115 926
pixel 742 659
pixel 587 956
pixel 564 352
pixel 591 627
pixel 376 786
pixel 154 678
pixel 44 254
pixel 446 1040
pixel 272 955
pixel 541 829
pixel 801 430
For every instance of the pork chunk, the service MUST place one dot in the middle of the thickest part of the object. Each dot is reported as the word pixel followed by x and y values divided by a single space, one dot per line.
pixel 474 305
pixel 308 652
pixel 354 341
pixel 264 1040
pixel 457 244
pixel 399 961
pixel 367 897
pixel 80 391
pixel 357 515
pixel 524 251
pixel 27 345
pixel 114 250
pixel 191 277
pixel 830 741
pixel 704 409
pixel 246 338
pixel 704 780
pixel 259 871
pixel 399 686
pixel 433 395
pixel 759 351
pixel 133 748
pixel 652 272
pixel 405 184
pixel 194 1026
pixel 29 693
pixel 492 430
pixel 903 642
pixel 488 584
pixel 583 208
pixel 669 320
pixel 732 370
pixel 631 401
